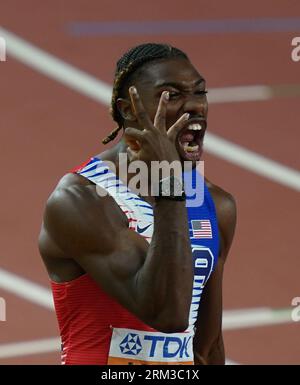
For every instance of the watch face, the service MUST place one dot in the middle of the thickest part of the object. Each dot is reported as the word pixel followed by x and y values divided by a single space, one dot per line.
pixel 171 187
pixel 178 190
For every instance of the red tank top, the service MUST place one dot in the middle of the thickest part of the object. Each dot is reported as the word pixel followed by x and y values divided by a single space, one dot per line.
pixel 86 316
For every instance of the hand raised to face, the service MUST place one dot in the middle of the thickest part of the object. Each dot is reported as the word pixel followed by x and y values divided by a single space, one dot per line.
pixel 153 141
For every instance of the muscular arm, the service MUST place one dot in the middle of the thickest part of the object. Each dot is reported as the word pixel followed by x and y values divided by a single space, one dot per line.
pixel 153 282
pixel 208 340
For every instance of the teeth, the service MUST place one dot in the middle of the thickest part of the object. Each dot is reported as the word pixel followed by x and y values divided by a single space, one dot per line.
pixel 190 148
pixel 195 127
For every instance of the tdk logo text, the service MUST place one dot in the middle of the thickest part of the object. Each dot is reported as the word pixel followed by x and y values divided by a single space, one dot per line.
pixel 166 347
pixel 172 346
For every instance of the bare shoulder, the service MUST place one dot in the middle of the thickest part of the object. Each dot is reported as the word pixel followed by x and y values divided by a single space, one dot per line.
pixel 225 205
pixel 76 215
pixel 72 190
pixel 72 179
pixel 224 201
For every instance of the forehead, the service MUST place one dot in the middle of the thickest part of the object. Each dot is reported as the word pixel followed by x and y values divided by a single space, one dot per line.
pixel 176 70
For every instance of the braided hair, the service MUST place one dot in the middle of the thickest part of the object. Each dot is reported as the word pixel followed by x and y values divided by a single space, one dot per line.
pixel 127 65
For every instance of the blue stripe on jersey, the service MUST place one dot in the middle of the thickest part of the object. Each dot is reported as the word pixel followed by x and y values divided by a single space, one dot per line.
pixel 206 211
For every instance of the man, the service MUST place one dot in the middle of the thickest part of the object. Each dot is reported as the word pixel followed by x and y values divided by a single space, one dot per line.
pixel 128 271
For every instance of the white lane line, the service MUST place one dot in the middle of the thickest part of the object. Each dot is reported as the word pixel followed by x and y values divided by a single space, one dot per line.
pixel 232 319
pixel 25 348
pixel 92 87
pixel 230 362
pixel 239 94
pixel 55 68
pixel 252 161
pixel 25 289
pixel 255 317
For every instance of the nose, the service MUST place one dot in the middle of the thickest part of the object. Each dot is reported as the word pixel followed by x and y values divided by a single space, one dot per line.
pixel 196 105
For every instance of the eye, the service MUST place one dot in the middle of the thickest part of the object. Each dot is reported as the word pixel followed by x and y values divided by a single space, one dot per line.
pixel 174 95
pixel 202 92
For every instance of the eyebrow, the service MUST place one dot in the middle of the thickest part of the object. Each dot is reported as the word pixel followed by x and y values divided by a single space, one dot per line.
pixel 178 85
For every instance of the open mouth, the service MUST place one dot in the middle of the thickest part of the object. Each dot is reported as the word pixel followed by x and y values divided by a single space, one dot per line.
pixel 190 140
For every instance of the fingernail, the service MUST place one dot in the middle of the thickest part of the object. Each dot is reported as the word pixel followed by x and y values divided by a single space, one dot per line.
pixel 186 116
pixel 133 90
pixel 166 95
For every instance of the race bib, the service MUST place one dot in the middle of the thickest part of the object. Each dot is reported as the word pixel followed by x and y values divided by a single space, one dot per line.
pixel 134 347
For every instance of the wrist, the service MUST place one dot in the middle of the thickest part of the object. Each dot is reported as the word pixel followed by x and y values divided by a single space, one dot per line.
pixel 170 188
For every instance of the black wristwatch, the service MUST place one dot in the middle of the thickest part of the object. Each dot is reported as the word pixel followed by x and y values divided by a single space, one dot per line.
pixel 171 188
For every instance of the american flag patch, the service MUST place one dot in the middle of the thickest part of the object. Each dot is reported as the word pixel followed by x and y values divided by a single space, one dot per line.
pixel 201 228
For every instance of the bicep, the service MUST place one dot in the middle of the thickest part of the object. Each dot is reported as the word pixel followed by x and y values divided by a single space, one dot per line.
pixel 115 270
pixel 93 232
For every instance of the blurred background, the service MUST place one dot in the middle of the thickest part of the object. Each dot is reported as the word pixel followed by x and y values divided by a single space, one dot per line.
pixel 55 91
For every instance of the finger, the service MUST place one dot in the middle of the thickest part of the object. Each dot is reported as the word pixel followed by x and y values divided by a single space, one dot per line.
pixel 177 126
pixel 160 116
pixel 134 133
pixel 133 138
pixel 139 109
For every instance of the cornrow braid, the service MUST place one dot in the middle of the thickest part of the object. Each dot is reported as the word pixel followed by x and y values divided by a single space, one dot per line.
pixel 132 60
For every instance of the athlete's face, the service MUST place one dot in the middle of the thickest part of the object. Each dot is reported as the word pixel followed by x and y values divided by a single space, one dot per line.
pixel 186 89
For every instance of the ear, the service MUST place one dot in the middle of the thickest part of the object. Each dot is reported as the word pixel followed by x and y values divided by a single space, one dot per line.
pixel 125 109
